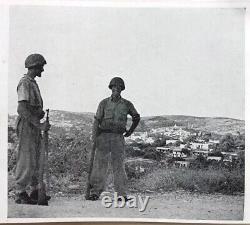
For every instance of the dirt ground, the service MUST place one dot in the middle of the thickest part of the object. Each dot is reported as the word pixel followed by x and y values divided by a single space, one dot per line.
pixel 172 205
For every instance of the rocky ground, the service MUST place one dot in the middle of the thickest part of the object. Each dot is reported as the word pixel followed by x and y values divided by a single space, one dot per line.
pixel 172 205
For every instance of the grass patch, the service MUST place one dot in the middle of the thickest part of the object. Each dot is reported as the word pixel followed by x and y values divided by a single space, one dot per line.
pixel 204 181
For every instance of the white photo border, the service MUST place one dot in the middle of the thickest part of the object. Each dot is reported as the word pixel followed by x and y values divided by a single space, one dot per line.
pixel 4 41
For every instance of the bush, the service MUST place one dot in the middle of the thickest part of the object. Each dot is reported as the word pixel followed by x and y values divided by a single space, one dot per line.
pixel 131 152
pixel 69 154
pixel 69 157
pixel 153 155
pixel 204 181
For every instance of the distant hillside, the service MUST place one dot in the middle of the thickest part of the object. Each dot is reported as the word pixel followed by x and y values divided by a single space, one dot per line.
pixel 83 121
pixel 63 118
pixel 217 125
pixel 64 122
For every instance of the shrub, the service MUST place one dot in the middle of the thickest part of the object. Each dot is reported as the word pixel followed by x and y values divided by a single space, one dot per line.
pixel 204 181
pixel 131 152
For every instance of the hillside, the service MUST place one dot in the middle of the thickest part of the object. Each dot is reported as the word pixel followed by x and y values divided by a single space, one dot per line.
pixel 70 145
pixel 217 125
pixel 63 120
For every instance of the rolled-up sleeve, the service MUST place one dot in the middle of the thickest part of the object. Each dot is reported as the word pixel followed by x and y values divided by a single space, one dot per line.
pixel 23 91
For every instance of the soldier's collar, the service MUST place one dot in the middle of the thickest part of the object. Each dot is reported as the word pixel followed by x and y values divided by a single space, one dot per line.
pixel 111 98
pixel 29 78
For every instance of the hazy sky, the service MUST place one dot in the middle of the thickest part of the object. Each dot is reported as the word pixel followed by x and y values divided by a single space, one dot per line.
pixel 173 61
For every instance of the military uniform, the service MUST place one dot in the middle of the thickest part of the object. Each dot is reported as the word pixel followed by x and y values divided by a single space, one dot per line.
pixel 29 135
pixel 30 111
pixel 112 119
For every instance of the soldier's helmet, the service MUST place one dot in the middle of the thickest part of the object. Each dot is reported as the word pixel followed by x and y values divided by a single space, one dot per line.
pixel 34 60
pixel 117 81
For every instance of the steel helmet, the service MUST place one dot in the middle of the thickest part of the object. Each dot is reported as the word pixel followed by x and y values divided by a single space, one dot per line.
pixel 117 81
pixel 34 60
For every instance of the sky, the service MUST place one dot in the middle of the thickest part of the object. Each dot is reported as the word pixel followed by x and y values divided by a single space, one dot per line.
pixel 174 61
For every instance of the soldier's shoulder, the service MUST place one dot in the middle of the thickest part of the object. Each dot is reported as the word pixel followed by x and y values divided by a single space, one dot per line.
pixel 127 102
pixel 104 101
pixel 24 80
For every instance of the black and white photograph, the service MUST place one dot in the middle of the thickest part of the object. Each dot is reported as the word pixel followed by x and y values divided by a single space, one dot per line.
pixel 126 112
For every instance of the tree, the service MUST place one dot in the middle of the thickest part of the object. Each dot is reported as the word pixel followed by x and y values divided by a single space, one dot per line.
pixel 177 143
pixel 216 153
pixel 189 139
pixel 239 141
pixel 240 162
pixel 207 136
pixel 227 143
pixel 199 163
pixel 186 151
pixel 152 155
pixel 159 142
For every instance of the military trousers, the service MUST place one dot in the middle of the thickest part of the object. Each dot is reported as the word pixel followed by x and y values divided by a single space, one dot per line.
pixel 109 146
pixel 28 151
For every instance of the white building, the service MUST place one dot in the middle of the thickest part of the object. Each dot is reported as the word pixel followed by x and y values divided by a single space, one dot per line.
pixel 204 153
pixel 216 158
pixel 195 145
pixel 163 149
pixel 173 141
pixel 229 156
pixel 149 140
pixel 177 153
pixel 181 163
pixel 214 141
pixel 140 135
pixel 182 146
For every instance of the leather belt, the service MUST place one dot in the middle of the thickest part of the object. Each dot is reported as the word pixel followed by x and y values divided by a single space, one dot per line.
pixel 110 131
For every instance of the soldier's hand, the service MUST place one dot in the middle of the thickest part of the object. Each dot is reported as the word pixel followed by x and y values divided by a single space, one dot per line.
pixel 127 134
pixel 45 126
pixel 42 113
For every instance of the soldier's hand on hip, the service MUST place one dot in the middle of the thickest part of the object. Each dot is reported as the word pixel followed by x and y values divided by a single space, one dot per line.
pixel 127 134
pixel 45 126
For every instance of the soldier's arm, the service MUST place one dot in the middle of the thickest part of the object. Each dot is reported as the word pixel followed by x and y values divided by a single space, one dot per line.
pixel 25 110
pixel 95 129
pixel 135 120
pixel 97 120
pixel 38 111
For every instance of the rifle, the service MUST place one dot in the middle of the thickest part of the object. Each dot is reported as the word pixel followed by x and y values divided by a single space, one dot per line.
pixel 92 157
pixel 42 197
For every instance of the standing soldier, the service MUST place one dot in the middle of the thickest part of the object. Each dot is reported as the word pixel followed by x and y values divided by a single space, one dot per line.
pixel 108 134
pixel 30 112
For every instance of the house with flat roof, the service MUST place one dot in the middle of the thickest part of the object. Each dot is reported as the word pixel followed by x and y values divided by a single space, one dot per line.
pixel 203 153
pixel 216 158
pixel 182 164
pixel 163 149
pixel 178 153
pixel 172 141
pixel 229 156
pixel 199 146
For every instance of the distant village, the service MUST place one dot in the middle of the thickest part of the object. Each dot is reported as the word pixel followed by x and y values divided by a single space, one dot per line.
pixel 181 146
pixel 177 145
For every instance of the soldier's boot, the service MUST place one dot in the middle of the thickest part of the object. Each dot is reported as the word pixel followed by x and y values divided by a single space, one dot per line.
pixel 34 195
pixel 23 198
pixel 126 198
pixel 93 197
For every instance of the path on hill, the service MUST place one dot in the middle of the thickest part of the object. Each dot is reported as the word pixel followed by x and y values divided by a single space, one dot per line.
pixel 173 205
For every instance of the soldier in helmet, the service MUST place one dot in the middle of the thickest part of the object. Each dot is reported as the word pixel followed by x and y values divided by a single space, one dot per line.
pixel 30 112
pixel 109 130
